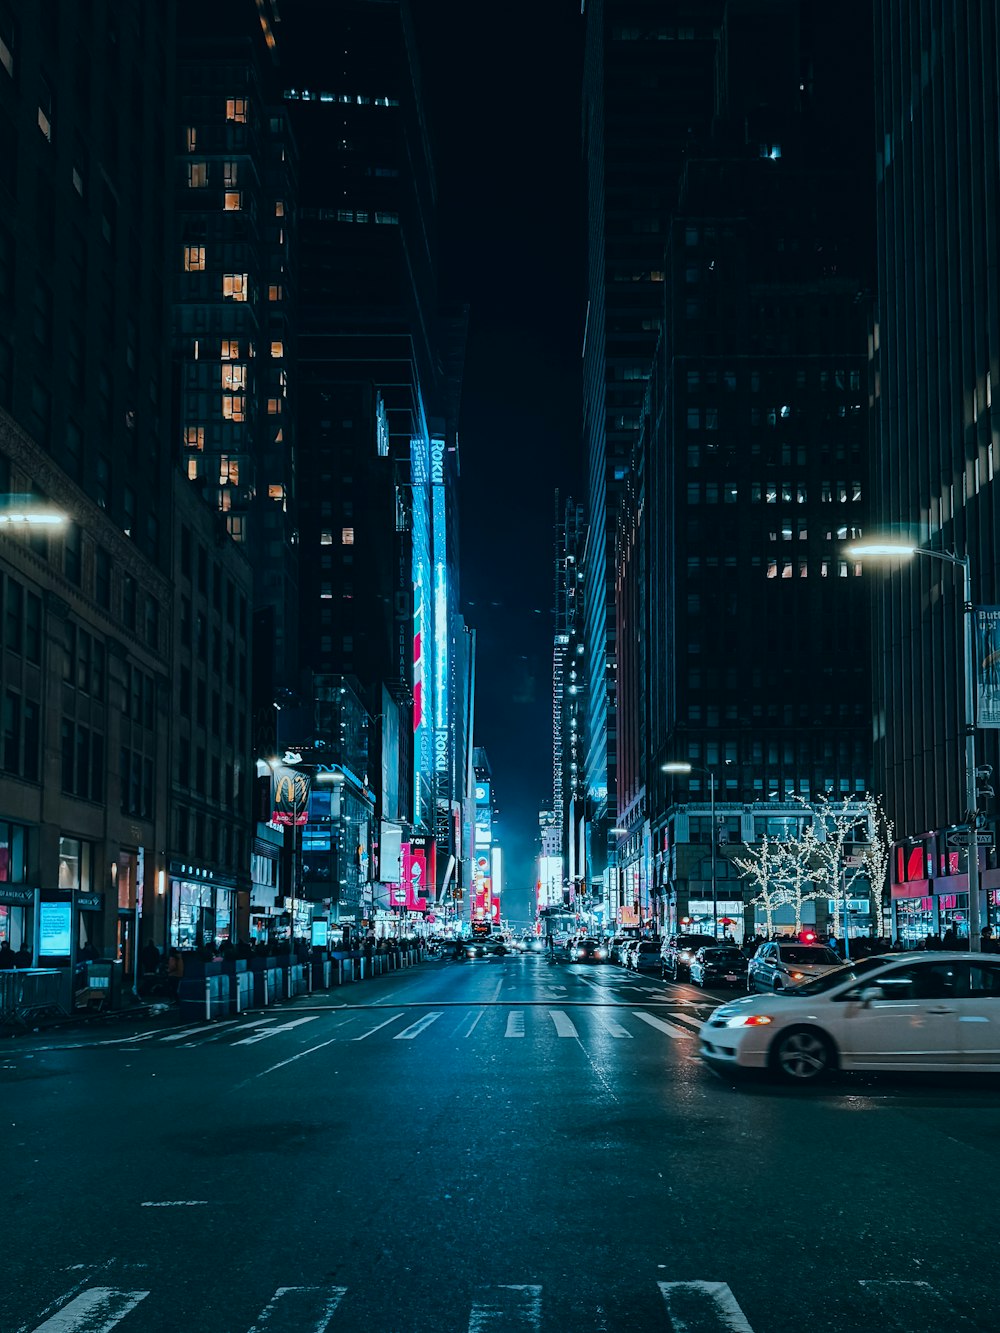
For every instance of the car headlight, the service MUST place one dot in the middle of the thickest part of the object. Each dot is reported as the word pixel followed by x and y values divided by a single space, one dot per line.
pixel 598 953
pixel 797 976
pixel 749 1021
pixel 685 953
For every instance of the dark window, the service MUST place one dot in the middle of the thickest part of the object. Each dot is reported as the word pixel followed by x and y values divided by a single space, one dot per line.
pixel 13 615
pixel 102 578
pixel 71 553
pixel 128 601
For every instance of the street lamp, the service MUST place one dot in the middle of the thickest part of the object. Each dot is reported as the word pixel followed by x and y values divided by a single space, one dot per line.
pixel 903 551
pixel 16 510
pixel 680 766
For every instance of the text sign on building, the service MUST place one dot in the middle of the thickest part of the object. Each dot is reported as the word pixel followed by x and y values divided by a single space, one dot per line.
pixel 987 666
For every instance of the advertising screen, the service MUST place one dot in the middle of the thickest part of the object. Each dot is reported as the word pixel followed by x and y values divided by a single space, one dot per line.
pixel 54 928
pixel 320 934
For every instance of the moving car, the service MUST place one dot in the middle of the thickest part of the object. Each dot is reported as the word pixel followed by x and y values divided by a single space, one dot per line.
pixel 588 951
pixel 677 952
pixel 918 1012
pixel 718 966
pixel 474 949
pixel 777 965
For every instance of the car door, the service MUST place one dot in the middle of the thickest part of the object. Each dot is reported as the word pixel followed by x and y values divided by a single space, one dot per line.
pixel 979 1019
pixel 916 1024
pixel 763 964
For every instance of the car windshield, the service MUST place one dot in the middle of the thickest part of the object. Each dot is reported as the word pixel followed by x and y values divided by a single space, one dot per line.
pixel 809 954
pixel 849 972
pixel 647 946
pixel 723 956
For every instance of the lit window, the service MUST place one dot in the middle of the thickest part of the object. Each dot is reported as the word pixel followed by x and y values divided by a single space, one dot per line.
pixel 347 536
pixel 234 286
pixel 236 109
pixel 197 175
pixel 194 437
pixel 237 527
pixel 325 591
pixel 277 350
pixel 276 492
pixel 273 407
pixel 230 350
pixel 191 138
pixel 772 569
pixel 233 406
pixel 786 570
pixel 326 539
pixel 193 468
pixel 234 377
pixel 194 259
pixel 274 292
pixel 229 470
pixel 232 201
pixel 279 208
pixel 803 569
pixel 230 175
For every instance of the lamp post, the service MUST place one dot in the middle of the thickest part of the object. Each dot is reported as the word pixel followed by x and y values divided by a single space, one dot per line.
pixel 902 551
pixel 681 767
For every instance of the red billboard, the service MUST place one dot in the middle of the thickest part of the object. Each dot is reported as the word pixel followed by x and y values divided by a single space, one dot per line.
pixel 418 863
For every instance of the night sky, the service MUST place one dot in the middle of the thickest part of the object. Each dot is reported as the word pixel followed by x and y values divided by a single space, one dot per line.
pixel 504 107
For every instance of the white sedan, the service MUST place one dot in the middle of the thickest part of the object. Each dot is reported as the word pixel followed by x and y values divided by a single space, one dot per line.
pixel 917 1011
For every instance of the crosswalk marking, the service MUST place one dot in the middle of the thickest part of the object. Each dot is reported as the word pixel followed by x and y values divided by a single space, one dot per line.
pixel 200 1030
pixel 299 1310
pixel 703 1307
pixel 913 1307
pixel 95 1310
pixel 415 1029
pixel 614 1027
pixel 515 1023
pixel 273 1031
pixel 658 1023
pixel 564 1024
pixel 378 1028
pixel 474 1024
pixel 506 1310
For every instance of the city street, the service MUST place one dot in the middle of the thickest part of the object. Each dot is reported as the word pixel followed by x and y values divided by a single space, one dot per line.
pixel 497 1144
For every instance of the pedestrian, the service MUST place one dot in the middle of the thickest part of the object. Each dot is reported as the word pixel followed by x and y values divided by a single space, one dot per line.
pixel 949 940
pixel 6 956
pixel 175 972
pixel 150 958
pixel 832 943
pixel 23 956
pixel 987 943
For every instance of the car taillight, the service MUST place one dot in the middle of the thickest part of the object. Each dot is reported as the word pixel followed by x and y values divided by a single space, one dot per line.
pixel 797 976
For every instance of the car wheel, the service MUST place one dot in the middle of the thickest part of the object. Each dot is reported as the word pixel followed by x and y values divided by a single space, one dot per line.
pixel 802 1055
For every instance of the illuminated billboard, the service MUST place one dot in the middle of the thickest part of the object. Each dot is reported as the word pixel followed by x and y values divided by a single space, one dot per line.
pixel 484 815
pixel 550 881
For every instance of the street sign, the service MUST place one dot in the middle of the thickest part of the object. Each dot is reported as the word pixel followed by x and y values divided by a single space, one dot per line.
pixel 963 839
pixel 854 861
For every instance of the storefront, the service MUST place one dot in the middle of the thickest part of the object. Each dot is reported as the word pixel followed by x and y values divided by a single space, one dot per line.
pixel 915 919
pixel 16 898
pixel 201 908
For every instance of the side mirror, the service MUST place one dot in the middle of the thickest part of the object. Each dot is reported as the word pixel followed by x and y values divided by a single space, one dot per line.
pixel 870 994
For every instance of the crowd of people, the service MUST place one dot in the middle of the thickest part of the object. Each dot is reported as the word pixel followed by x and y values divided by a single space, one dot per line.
pixel 11 958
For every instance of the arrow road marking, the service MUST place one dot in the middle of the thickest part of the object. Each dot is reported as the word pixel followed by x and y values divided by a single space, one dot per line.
pixel 273 1032
pixel 655 1022
pixel 94 1311
pixel 299 1309
pixel 703 1307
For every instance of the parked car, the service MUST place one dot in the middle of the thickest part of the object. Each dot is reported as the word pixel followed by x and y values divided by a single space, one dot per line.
pixel 619 948
pixel 712 966
pixel 778 965
pixel 916 1012
pixel 645 957
pixel 677 952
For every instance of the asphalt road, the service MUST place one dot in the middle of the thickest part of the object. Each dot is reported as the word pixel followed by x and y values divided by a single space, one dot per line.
pixel 492 1146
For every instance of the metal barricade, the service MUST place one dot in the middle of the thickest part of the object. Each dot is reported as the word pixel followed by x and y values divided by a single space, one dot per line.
pixel 30 992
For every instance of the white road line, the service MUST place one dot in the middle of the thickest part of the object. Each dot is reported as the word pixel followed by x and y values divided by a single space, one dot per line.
pixel 496 993
pixel 506 1310
pixel 306 1309
pixel 95 1310
pixel 614 1027
pixel 515 1023
pixel 203 1030
pixel 175 1203
pixel 117 1041
pixel 563 1022
pixel 658 1023
pixel 913 1307
pixel 273 1031
pixel 415 1029
pixel 703 1307
pixel 378 1028
pixel 474 1023
pixel 292 1058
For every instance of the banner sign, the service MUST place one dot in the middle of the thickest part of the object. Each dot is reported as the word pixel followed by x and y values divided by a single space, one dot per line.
pixel 291 796
pixel 987 666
